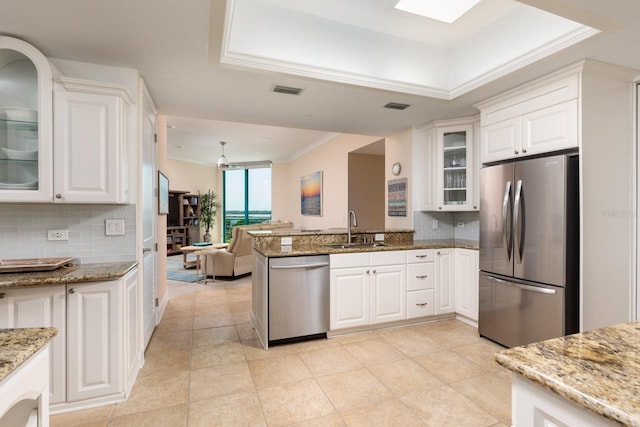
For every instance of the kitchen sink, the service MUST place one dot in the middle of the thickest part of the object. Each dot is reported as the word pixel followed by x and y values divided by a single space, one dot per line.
pixel 354 245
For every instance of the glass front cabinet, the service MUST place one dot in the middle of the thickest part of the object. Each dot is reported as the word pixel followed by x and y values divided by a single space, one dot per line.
pixel 446 165
pixel 26 125
pixel 454 167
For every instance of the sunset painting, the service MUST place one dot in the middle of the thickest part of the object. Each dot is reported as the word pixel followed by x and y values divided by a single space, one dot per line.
pixel 311 194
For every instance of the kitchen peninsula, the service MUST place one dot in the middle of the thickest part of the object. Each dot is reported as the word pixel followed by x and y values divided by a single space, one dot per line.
pixel 382 278
pixel 589 378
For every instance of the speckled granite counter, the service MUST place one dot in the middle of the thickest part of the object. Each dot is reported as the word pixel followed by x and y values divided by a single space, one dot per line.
pixel 320 248
pixel 75 274
pixel 18 345
pixel 598 370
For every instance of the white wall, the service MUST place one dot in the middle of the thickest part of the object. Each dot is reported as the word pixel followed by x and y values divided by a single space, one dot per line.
pixel 398 148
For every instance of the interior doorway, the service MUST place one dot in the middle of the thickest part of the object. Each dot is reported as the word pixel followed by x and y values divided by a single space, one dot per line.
pixel 366 187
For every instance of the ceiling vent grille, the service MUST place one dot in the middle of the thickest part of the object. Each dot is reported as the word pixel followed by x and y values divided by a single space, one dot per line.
pixel 396 106
pixel 287 90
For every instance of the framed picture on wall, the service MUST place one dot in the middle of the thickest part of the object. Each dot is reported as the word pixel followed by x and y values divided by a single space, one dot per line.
pixel 311 194
pixel 163 194
pixel 397 189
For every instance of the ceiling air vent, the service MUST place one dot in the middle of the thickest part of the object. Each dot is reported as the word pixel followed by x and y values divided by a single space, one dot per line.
pixel 396 106
pixel 287 90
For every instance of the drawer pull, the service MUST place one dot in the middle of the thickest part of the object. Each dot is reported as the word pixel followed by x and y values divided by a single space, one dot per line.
pixel 421 304
pixel 422 277
pixel 421 256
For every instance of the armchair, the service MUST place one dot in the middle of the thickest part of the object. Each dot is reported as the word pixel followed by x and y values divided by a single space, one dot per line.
pixel 237 260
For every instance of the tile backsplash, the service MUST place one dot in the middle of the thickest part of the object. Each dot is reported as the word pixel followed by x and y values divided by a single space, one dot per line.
pixel 423 225
pixel 23 232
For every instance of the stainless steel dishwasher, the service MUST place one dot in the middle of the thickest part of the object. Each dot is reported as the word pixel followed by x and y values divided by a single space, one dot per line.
pixel 298 298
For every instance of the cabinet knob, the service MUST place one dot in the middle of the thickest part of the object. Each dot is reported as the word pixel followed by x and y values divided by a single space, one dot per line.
pixel 72 291
pixel 438 252
pixel 516 152
pixel 524 150
pixel 475 207
pixel 368 272
pixel 58 196
pixel 440 207
pixel 374 272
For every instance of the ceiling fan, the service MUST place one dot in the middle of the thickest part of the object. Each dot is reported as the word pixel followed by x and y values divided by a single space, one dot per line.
pixel 224 164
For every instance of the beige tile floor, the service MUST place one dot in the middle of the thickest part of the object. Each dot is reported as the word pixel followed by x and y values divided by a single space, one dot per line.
pixel 204 367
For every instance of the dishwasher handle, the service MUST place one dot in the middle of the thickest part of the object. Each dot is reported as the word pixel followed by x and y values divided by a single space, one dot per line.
pixel 291 267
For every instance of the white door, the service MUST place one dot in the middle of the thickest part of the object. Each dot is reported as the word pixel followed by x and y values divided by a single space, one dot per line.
pixel 149 200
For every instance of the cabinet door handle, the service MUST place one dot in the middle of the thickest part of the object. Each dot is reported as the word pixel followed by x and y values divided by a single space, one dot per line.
pixel 72 291
pixel 421 304
pixel 58 196
pixel 368 272
pixel 524 150
pixel 438 252
pixel 440 207
pixel 422 277
pixel 516 152
pixel 374 272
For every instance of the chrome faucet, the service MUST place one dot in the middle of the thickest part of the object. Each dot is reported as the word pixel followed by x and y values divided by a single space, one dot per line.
pixel 353 222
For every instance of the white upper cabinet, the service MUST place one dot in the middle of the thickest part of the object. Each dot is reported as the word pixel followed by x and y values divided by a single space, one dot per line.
pixel 533 120
pixel 90 142
pixel 26 123
pixel 446 165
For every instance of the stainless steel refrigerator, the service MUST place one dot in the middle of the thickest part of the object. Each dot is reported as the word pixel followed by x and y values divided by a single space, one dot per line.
pixel 529 250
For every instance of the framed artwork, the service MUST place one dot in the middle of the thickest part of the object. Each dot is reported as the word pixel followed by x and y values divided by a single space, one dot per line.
pixel 397 197
pixel 163 194
pixel 311 194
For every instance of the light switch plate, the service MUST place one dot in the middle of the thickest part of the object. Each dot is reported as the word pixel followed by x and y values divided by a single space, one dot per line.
pixel 434 224
pixel 114 227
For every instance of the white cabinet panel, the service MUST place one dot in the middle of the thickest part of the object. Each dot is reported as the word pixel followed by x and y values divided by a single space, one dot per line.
pixel 349 297
pixel 420 255
pixel 90 136
pixel 466 283
pixel 133 329
pixel 445 286
pixel 501 140
pixel 94 340
pixel 550 129
pixel 388 288
pixel 35 308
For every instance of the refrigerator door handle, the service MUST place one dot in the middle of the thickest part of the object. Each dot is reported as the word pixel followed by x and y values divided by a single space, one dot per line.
pixel 537 289
pixel 518 223
pixel 506 235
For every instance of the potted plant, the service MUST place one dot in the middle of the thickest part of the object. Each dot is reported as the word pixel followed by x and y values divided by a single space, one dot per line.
pixel 207 212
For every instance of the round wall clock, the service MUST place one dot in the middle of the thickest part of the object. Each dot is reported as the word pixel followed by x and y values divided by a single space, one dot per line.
pixel 396 168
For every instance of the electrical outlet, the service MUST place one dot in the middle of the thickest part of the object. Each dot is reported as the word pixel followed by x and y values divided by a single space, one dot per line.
pixel 57 234
pixel 460 224
pixel 434 224
pixel 379 237
pixel 114 227
pixel 286 241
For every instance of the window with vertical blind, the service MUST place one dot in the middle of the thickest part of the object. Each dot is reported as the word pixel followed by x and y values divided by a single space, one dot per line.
pixel 246 197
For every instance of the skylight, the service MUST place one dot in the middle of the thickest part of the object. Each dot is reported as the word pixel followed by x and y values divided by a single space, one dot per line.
pixel 441 10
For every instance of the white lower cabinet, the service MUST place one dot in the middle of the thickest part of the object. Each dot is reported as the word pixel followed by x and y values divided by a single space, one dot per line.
pixel 445 285
pixel 98 350
pixel 35 308
pixel 420 283
pixel 372 290
pixel 466 283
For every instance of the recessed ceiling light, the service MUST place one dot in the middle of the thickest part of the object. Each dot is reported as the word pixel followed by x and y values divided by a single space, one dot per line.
pixel 442 10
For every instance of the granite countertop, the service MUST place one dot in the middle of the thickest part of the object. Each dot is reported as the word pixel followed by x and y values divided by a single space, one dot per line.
pixel 598 370
pixel 75 274
pixel 328 231
pixel 319 249
pixel 18 345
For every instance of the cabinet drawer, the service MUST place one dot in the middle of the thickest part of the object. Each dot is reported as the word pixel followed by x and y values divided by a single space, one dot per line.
pixel 420 303
pixel 420 255
pixel 358 259
pixel 388 258
pixel 420 276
